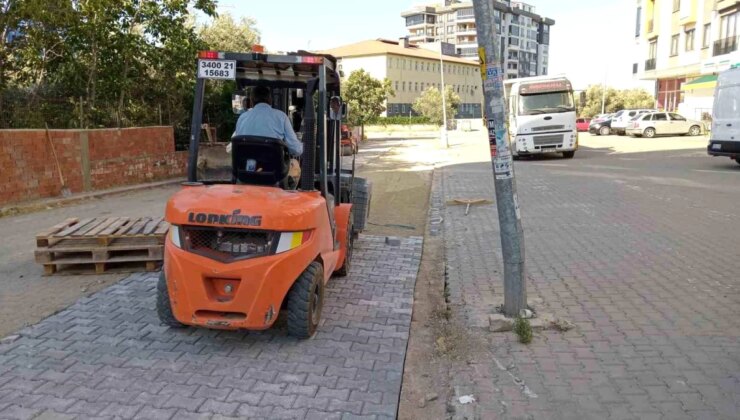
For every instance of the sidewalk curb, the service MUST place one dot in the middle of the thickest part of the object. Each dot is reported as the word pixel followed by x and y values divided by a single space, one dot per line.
pixel 44 204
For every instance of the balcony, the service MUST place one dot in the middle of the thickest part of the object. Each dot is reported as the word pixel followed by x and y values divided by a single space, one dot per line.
pixel 725 46
pixel 721 5
pixel 650 64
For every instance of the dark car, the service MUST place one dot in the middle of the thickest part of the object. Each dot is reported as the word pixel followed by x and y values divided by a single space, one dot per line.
pixel 601 126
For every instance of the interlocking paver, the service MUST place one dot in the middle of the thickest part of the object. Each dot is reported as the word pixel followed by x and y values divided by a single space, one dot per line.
pixel 108 355
pixel 636 252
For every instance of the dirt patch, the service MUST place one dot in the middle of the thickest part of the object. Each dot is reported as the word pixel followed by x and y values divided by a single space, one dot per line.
pixel 26 296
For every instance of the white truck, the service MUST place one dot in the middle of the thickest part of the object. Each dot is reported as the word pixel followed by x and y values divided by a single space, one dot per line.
pixel 725 137
pixel 542 116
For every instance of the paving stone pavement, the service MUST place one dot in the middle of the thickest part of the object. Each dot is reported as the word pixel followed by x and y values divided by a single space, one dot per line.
pixel 638 256
pixel 107 356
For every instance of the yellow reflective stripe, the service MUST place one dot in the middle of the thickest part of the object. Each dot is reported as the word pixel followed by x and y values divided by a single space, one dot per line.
pixel 297 240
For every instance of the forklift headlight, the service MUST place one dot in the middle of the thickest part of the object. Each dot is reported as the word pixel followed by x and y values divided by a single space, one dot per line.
pixel 292 240
pixel 175 236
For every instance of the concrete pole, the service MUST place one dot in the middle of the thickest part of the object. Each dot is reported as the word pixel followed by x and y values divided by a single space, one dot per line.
pixel 444 98
pixel 509 216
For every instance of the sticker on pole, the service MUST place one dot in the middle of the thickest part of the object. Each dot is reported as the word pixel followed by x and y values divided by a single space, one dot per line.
pixel 502 167
pixel 217 69
pixel 494 78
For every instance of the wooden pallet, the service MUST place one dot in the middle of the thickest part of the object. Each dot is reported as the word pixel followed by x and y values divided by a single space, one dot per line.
pixel 102 244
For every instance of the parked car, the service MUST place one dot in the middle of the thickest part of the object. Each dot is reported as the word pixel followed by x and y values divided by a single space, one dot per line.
pixel 622 119
pixel 582 124
pixel 601 126
pixel 663 123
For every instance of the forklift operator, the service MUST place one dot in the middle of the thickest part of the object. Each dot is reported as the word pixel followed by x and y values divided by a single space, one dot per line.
pixel 263 120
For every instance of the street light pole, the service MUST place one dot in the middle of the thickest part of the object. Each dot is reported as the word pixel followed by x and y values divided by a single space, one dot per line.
pixel 509 216
pixel 444 97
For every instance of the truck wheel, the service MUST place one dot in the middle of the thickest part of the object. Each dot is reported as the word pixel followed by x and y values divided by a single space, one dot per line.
pixel 649 132
pixel 604 131
pixel 344 269
pixel 569 155
pixel 305 300
pixel 164 306
pixel 362 192
pixel 695 130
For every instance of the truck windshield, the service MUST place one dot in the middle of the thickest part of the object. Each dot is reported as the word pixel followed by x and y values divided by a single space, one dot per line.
pixel 546 103
pixel 728 102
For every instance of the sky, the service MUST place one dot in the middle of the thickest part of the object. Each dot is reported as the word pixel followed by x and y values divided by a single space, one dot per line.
pixel 588 43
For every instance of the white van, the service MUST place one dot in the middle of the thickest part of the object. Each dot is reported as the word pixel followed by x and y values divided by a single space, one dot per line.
pixel 725 137
pixel 622 118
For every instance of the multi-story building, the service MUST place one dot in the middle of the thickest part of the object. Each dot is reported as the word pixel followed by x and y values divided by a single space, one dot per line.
pixel 411 70
pixel 682 45
pixel 524 35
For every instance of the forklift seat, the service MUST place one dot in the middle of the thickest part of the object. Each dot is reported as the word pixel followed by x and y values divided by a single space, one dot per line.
pixel 268 157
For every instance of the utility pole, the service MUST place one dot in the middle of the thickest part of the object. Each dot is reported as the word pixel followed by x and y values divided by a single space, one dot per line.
pixel 509 216
pixel 603 93
pixel 444 99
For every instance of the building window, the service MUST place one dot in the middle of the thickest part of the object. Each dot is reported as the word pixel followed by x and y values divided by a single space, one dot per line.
pixel 676 5
pixel 396 86
pixel 706 36
pixel 403 86
pixel 450 29
pixel 416 87
pixel 690 40
pixel 674 45
pixel 728 26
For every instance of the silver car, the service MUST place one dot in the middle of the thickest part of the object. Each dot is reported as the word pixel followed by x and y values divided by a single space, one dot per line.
pixel 663 123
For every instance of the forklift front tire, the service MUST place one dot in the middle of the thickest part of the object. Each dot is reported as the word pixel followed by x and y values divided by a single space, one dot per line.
pixel 344 269
pixel 305 301
pixel 164 307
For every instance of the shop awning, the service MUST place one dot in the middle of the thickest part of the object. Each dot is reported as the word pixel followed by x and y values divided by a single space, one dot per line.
pixel 703 82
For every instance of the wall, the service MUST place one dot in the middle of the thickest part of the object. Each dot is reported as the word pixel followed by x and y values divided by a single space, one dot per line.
pixel 89 160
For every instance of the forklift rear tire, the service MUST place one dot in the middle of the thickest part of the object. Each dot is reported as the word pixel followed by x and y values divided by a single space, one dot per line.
pixel 305 300
pixel 164 307
pixel 362 194
pixel 344 269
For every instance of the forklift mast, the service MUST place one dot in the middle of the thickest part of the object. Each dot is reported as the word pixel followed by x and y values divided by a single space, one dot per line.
pixel 315 74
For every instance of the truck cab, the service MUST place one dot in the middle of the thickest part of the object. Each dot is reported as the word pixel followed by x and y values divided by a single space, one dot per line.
pixel 725 137
pixel 542 116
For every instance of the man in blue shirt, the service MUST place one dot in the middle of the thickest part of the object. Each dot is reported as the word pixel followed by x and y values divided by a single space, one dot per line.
pixel 266 121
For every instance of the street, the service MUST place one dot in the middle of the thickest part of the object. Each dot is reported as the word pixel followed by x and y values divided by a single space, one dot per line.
pixel 633 242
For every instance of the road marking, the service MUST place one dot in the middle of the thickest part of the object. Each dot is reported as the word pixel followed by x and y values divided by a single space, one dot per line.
pixel 718 172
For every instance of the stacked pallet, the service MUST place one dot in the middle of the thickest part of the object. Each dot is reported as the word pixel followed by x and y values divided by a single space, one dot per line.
pixel 102 245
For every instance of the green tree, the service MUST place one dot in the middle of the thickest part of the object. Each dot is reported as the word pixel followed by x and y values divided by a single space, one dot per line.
pixel 429 104
pixel 616 100
pixel 638 98
pixel 225 34
pixel 366 97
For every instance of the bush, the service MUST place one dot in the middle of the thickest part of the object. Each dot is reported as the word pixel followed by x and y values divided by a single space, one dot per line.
pixel 399 120
pixel 523 329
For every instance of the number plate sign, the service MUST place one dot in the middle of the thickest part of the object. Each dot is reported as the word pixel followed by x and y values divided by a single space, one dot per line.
pixel 217 69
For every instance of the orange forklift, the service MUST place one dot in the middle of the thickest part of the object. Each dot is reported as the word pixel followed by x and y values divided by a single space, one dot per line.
pixel 242 249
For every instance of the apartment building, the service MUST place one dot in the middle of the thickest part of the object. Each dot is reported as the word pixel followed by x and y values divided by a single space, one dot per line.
pixel 524 35
pixel 682 45
pixel 413 69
